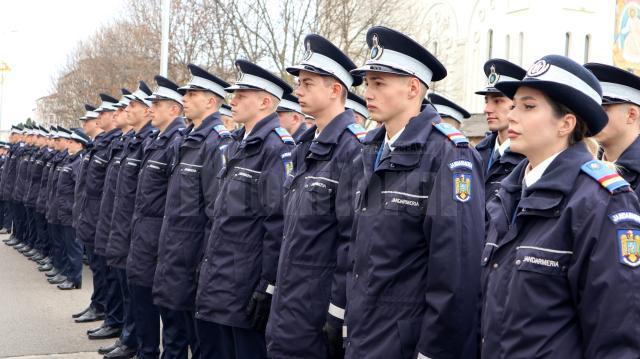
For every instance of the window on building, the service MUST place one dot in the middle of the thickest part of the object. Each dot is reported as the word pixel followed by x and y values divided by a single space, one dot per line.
pixel 567 43
pixel 587 47
pixel 490 44
pixel 507 47
pixel 520 48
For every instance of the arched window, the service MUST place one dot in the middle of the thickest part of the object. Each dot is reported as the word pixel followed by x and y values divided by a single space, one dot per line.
pixel 490 44
pixel 587 47
pixel 520 48
pixel 567 43
pixel 507 47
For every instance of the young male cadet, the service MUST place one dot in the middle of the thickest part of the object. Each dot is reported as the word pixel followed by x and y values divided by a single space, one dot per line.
pixel 621 101
pixel 74 140
pixel 238 272
pixel 191 191
pixel 136 116
pixel 497 160
pixel 147 217
pixel 291 116
pixel 310 285
pixel 419 218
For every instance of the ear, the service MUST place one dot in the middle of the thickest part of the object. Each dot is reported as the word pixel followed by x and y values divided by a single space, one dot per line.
pixel 266 102
pixel 633 113
pixel 415 88
pixel 336 89
pixel 566 125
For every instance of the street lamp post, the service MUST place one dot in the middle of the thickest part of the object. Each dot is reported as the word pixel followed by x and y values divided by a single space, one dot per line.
pixel 4 67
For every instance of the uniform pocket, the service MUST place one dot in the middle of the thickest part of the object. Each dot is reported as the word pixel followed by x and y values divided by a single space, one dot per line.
pixel 320 193
pixel 409 334
pixel 402 202
pixel 543 260
pixel 242 190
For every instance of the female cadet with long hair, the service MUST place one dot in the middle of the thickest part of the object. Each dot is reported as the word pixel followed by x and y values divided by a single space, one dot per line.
pixel 560 276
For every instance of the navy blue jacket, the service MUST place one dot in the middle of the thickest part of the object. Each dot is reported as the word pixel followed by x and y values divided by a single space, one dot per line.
pixel 418 228
pixel 301 130
pixel 317 226
pixel 494 172
pixel 191 191
pixel 94 174
pixel 103 228
pixel 22 171
pixel 43 195
pixel 242 251
pixel 125 196
pixel 150 201
pixel 9 173
pixel 80 194
pixel 556 283
pixel 629 163
pixel 54 174
pixel 65 187
pixel 36 167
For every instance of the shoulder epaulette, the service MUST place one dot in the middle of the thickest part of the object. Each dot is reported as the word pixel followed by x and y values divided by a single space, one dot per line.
pixel 222 131
pixel 452 134
pixel 285 136
pixel 605 175
pixel 357 131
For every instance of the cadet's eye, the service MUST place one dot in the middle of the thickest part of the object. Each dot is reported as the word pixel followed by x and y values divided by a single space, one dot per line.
pixel 512 107
pixel 529 107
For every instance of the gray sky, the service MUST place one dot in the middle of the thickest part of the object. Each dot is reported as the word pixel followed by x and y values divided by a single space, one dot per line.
pixel 35 38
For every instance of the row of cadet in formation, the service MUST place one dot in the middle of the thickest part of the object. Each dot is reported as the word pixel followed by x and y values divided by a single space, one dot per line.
pixel 275 240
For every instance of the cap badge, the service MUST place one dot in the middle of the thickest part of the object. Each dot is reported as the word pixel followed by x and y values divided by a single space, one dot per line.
pixel 538 68
pixel 308 53
pixel 493 76
pixel 376 49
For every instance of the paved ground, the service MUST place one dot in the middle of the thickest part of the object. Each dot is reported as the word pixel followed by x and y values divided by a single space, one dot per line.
pixel 35 316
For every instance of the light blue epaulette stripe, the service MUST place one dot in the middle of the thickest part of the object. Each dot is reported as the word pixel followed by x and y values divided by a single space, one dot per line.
pixel 452 133
pixel 222 131
pixel 358 131
pixel 605 175
pixel 285 136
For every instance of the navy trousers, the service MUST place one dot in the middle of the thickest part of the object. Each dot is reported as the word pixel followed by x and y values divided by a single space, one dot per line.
pixel 73 254
pixel 218 341
pixel 114 313
pixel 42 242
pixel 99 295
pixel 31 234
pixel 7 220
pixel 18 220
pixel 128 336
pixel 179 334
pixel 57 247
pixel 147 318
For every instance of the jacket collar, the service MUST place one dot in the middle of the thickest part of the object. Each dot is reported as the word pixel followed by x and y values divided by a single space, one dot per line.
pixel 261 129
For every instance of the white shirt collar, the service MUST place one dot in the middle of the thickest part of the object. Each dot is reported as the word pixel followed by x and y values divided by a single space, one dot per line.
pixel 392 140
pixel 532 175
pixel 502 147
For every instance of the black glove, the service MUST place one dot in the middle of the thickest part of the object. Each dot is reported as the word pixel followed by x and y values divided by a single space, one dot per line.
pixel 258 310
pixel 333 337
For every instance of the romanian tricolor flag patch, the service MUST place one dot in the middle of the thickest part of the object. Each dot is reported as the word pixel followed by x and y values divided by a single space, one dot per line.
pixel 605 175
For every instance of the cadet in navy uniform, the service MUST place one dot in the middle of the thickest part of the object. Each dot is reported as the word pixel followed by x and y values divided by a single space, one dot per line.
pixel 449 111
pixel 19 189
pixel 98 296
pixel 32 187
pixel 227 117
pixel 419 220
pixel 93 172
pixel 75 140
pixel 291 116
pixel 191 191
pixel 497 158
pixel 4 228
pixel 310 285
pixel 560 272
pixel 238 272
pixel 147 217
pixel 9 179
pixel 359 107
pixel 621 102
pixel 43 244
pixel 56 275
pixel 33 191
pixel 136 116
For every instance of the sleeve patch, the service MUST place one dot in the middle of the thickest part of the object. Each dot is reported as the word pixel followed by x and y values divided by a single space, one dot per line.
pixel 603 174
pixel 452 133
pixel 629 244
pixel 288 164
pixel 462 187
pixel 357 131
pixel 285 136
